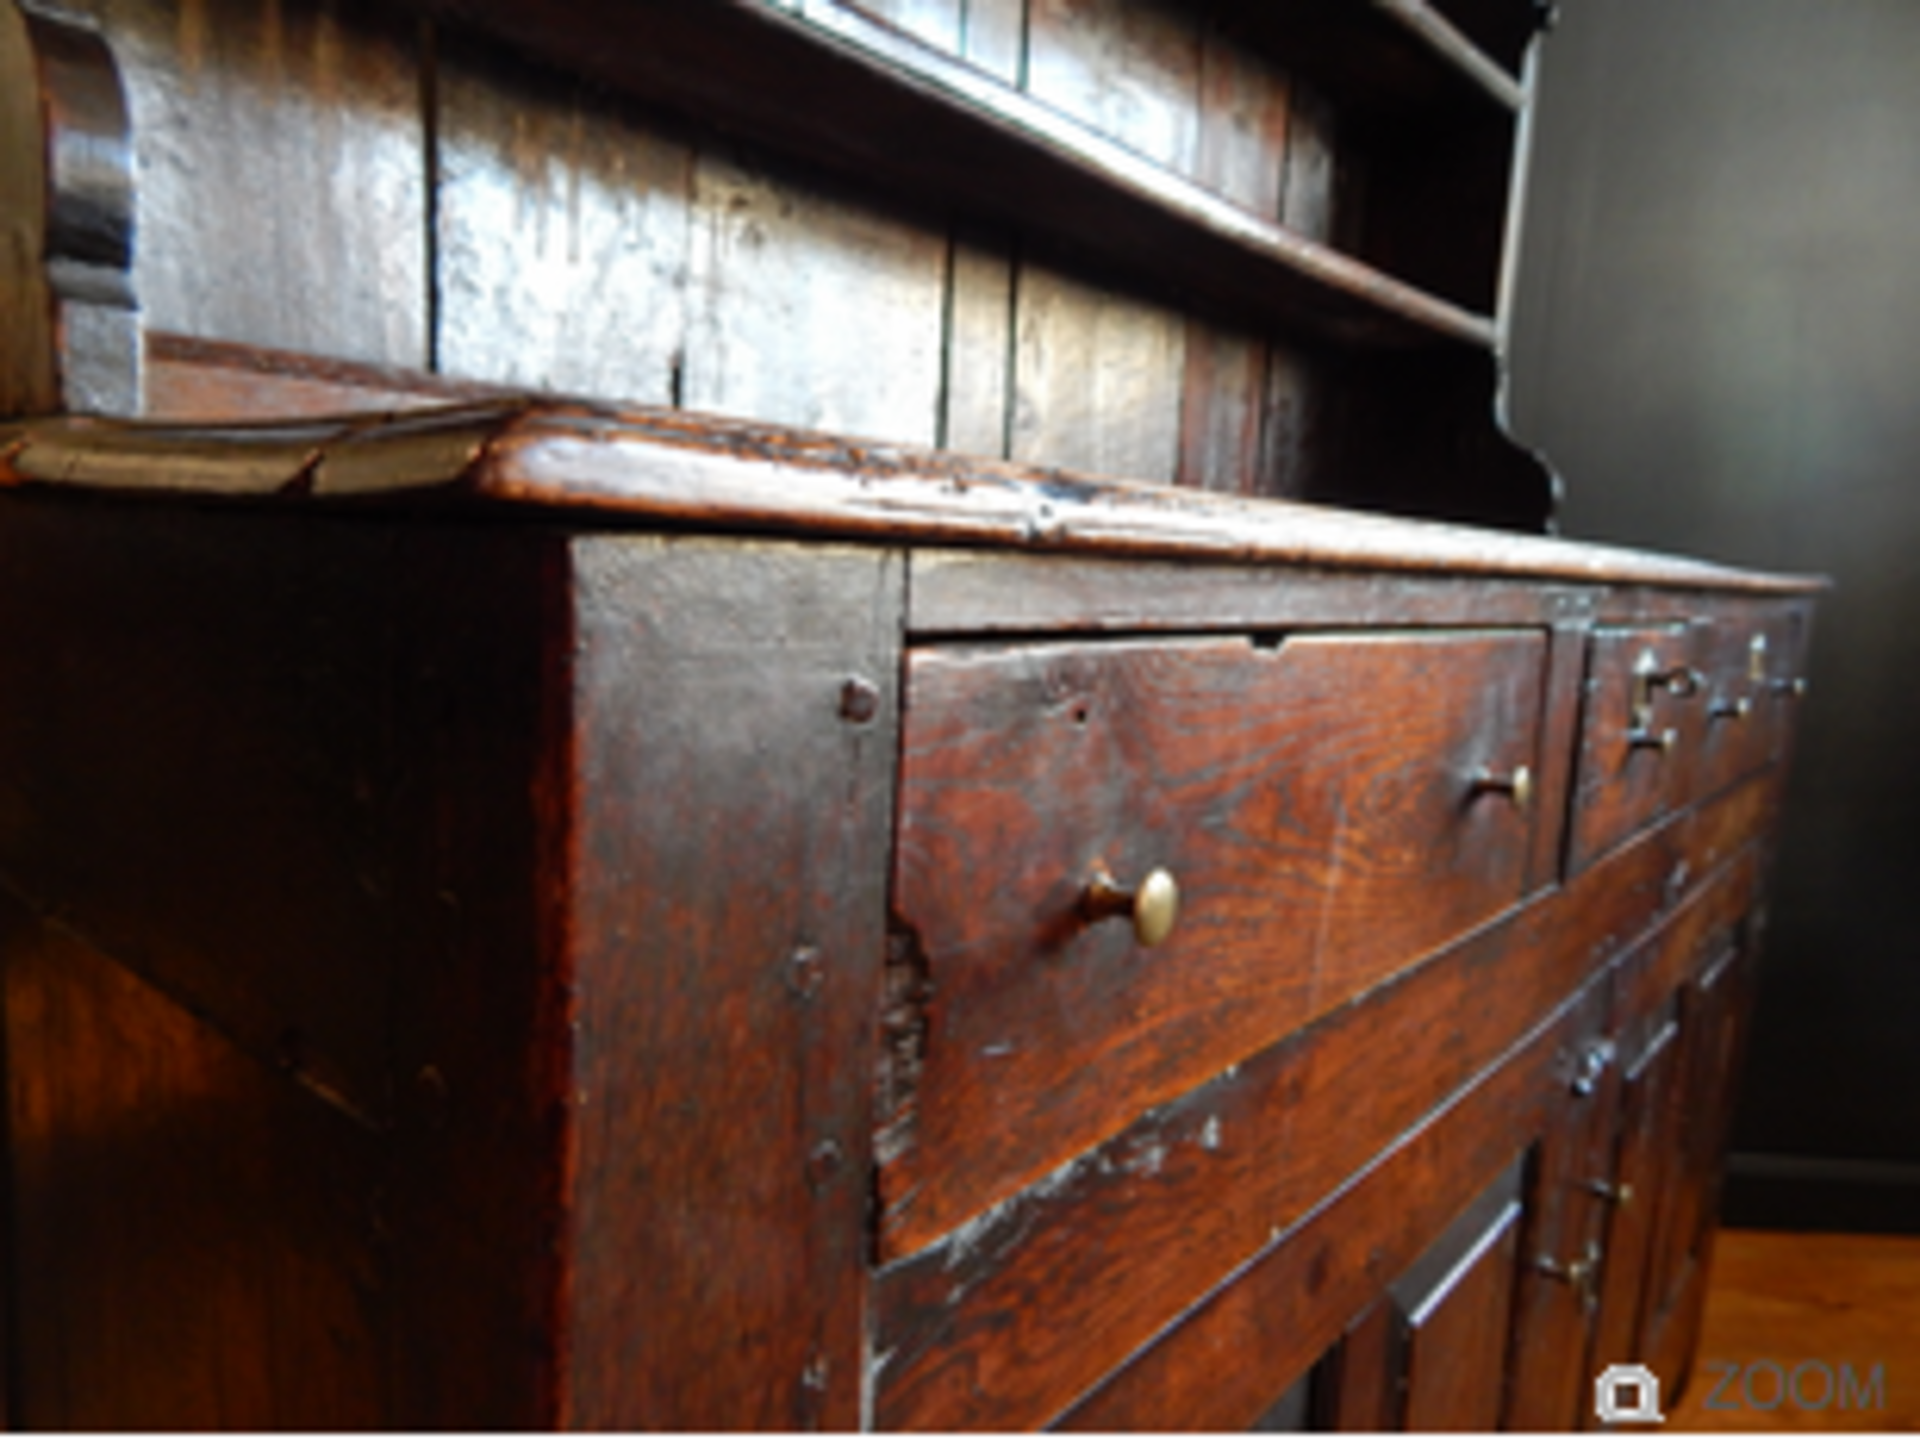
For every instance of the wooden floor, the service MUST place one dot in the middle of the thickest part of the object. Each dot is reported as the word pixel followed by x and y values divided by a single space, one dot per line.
pixel 1797 1329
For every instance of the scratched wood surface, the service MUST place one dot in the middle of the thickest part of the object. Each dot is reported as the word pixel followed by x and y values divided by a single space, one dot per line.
pixel 562 223
pixel 197 1241
pixel 1301 796
pixel 1319 1286
pixel 1192 1191
pixel 807 306
pixel 725 920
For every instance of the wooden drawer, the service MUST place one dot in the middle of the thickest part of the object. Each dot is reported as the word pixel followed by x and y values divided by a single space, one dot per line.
pixel 1323 803
pixel 1639 729
pixel 1751 675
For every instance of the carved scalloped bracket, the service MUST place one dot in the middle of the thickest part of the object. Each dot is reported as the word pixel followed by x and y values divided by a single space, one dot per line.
pixel 69 318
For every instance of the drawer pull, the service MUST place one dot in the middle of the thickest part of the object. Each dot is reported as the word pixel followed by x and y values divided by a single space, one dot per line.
pixel 1519 784
pixel 1582 1273
pixel 1644 739
pixel 1724 709
pixel 1621 1194
pixel 1682 682
pixel 1154 907
pixel 1793 689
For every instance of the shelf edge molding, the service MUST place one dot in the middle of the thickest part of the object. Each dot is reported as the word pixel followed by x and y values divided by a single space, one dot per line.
pixel 657 467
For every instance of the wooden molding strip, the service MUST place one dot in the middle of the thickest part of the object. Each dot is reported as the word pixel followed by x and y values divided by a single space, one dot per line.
pixel 656 465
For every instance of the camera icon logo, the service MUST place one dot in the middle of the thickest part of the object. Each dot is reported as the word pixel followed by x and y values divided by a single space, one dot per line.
pixel 1627 1395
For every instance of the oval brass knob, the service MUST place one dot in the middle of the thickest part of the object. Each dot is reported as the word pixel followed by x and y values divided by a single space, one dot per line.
pixel 1154 907
pixel 1518 784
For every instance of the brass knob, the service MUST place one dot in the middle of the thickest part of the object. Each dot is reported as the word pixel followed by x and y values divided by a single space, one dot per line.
pixel 1582 1273
pixel 1518 784
pixel 1154 908
pixel 1724 709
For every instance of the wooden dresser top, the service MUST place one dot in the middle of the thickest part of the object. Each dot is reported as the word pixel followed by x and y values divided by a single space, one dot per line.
pixel 605 466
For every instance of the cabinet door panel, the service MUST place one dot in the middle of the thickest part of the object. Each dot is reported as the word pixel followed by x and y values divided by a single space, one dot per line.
pixel 1639 1177
pixel 1429 1354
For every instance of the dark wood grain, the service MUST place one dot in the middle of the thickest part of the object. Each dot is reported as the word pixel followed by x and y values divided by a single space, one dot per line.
pixel 1314 860
pixel 1324 1281
pixel 1638 1177
pixel 1454 1308
pixel 1195 1187
pixel 198 1243
pixel 200 768
pixel 1549 1384
pixel 1223 412
pixel 734 739
pixel 1623 785
pixel 673 467
pixel 480 1046
pixel 1244 104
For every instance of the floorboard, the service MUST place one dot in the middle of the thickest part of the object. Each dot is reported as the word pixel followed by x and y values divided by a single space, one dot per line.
pixel 1808 1332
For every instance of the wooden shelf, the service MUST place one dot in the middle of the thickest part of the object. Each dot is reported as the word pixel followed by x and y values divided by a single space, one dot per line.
pixel 823 81
pixel 1376 57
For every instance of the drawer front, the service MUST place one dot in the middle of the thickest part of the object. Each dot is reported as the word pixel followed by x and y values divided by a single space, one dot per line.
pixel 1330 807
pixel 1752 676
pixel 1640 728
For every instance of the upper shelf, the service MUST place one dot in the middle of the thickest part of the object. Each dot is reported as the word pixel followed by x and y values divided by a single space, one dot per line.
pixel 839 87
pixel 1376 56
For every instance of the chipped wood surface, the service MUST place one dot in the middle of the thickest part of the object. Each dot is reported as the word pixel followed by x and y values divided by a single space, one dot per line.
pixel 1316 802
pixel 1198 1187
pixel 671 466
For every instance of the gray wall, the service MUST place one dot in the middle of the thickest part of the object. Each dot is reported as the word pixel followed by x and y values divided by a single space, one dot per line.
pixel 1717 342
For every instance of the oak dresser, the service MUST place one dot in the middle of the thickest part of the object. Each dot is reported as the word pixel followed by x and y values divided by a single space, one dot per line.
pixel 537 912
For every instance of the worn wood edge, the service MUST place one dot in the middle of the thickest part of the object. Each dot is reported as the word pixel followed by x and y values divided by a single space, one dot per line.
pixel 1493 1111
pixel 915 1348
pixel 990 102
pixel 671 466
pixel 1446 41
pixel 978 140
